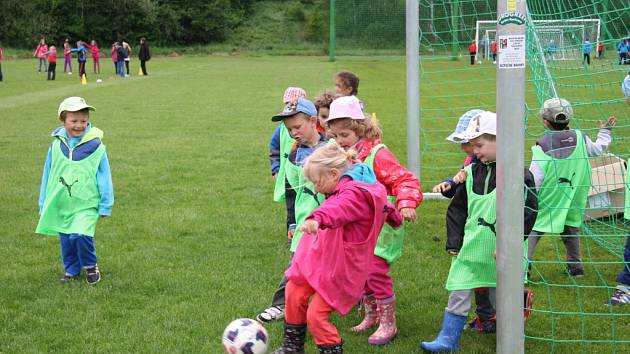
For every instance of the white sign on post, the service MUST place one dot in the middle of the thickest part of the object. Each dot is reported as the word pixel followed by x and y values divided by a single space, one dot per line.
pixel 511 51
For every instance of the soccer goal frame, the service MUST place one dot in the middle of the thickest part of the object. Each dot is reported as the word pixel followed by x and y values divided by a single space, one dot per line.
pixel 564 51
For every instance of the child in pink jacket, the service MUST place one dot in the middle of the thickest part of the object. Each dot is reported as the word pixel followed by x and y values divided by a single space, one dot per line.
pixel 40 51
pixel 330 265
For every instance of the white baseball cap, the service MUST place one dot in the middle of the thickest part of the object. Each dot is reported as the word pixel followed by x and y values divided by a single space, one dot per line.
pixel 73 104
pixel 483 123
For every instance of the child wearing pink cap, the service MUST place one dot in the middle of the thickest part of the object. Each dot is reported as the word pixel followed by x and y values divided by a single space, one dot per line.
pixel 352 130
pixel 331 263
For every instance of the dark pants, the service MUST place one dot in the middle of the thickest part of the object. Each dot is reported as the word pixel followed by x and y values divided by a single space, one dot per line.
pixel 494 56
pixel 144 67
pixel 279 298
pixel 127 66
pixel 587 58
pixel 599 54
pixel 624 276
pixel 0 71
pixel 472 58
pixel 571 243
pixel 81 68
pixel 51 70
pixel 622 58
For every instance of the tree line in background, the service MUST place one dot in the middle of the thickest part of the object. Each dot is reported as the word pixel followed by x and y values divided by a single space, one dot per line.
pixel 163 22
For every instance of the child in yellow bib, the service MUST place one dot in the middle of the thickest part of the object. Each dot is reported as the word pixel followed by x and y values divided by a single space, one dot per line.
pixel 76 189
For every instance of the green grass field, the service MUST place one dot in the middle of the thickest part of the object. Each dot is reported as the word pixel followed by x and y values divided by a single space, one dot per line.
pixel 195 240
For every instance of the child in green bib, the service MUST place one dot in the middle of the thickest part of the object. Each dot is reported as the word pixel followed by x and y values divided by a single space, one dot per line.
pixel 76 189
pixel 299 121
pixel 470 225
pixel 353 130
pixel 563 177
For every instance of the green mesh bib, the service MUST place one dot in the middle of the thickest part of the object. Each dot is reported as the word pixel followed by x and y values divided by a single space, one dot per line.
pixel 286 141
pixel 306 200
pixel 563 194
pixel 72 197
pixel 390 240
pixel 475 266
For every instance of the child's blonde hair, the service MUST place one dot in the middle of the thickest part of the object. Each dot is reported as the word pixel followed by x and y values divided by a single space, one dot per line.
pixel 368 128
pixel 325 159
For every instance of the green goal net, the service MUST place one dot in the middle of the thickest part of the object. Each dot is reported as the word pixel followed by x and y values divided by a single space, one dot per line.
pixel 570 314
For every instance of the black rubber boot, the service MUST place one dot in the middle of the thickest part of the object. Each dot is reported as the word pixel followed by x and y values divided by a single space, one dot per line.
pixel 294 336
pixel 331 349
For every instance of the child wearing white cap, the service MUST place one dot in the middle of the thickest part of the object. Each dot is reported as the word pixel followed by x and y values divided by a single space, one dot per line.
pixel 563 177
pixel 76 189
pixel 471 234
pixel 351 129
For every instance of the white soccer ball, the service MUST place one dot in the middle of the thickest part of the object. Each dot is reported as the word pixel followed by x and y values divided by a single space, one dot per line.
pixel 479 62
pixel 99 80
pixel 245 336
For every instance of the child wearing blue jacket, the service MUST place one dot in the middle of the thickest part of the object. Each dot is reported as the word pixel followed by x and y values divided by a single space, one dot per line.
pixel 76 189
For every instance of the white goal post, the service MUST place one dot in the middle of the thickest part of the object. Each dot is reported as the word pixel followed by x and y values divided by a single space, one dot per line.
pixel 560 39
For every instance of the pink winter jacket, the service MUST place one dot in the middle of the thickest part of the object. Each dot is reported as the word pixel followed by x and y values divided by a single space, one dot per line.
pixel 335 261
pixel 40 51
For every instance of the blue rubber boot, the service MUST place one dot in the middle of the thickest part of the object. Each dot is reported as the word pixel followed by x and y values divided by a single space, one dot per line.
pixel 448 339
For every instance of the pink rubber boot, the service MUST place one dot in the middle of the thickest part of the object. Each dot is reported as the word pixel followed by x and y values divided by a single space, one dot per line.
pixel 371 317
pixel 386 310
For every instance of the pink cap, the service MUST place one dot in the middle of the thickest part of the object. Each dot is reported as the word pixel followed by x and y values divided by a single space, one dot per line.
pixel 292 94
pixel 346 107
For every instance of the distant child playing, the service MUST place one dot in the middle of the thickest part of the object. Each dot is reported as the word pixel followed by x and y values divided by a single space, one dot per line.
pixel 67 57
pixel 352 130
pixel 1 64
pixel 39 53
pixel 95 56
pixel 330 266
pixel 471 235
pixel 81 51
pixel 563 177
pixel 76 189
pixel 52 62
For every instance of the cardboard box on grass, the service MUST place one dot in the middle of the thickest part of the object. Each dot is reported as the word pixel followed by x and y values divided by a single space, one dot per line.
pixel 606 195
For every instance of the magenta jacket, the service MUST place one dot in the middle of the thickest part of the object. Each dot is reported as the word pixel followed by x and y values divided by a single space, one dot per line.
pixel 336 260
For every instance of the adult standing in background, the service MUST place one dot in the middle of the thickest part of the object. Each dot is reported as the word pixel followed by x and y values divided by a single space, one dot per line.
pixel 0 63
pixel 144 55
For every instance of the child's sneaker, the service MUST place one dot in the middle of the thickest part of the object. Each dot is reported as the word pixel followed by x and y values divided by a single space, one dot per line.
pixel 273 313
pixel 620 297
pixel 93 276
pixel 485 326
pixel 68 278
